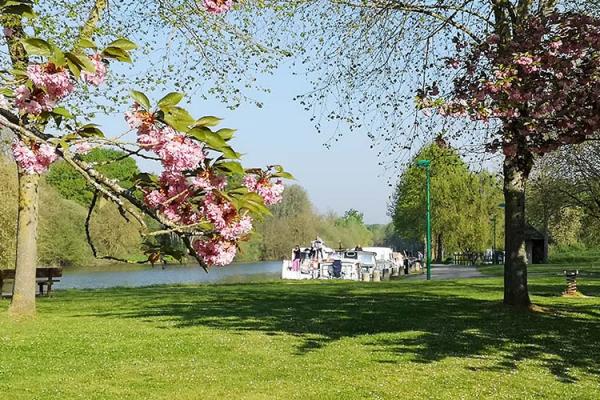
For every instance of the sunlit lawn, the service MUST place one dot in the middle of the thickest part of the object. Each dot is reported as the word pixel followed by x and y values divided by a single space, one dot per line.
pixel 315 340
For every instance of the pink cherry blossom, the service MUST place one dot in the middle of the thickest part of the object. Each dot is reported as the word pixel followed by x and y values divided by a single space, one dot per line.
pixel 543 85
pixel 208 182
pixel 218 6
pixel 215 251
pixel 271 192
pixel 181 153
pixel 34 160
pixel 32 102
pixel 250 181
pixel 82 147
pixel 237 229
pixel 54 80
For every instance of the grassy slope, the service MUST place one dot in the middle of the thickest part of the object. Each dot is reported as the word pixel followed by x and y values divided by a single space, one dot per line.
pixel 313 340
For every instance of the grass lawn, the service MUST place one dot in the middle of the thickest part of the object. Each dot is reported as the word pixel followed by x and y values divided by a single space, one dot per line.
pixel 306 340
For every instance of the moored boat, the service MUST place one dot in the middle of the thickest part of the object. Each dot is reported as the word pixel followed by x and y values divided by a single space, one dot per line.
pixel 368 264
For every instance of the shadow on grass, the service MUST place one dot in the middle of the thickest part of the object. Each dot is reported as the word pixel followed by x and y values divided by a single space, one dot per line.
pixel 423 323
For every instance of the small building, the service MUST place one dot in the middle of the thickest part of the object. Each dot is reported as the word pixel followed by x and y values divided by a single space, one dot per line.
pixel 534 245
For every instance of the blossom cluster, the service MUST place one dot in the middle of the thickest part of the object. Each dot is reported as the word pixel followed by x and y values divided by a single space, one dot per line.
pixel 543 85
pixel 189 192
pixel 33 159
pixel 271 192
pixel 51 83
pixel 218 6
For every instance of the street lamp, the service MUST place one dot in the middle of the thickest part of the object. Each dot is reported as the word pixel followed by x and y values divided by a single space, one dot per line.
pixel 494 255
pixel 427 165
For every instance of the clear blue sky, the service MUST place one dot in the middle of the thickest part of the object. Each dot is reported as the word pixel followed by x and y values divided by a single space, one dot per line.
pixel 345 176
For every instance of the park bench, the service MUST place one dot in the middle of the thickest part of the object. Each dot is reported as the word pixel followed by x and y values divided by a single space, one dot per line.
pixel 45 278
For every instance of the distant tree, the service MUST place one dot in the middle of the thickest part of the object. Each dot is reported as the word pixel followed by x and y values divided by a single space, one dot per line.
pixel 354 215
pixel 114 164
pixel 462 202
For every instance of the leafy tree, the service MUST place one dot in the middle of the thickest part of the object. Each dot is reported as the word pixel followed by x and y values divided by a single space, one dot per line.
pixel 462 202
pixel 113 164
pixel 353 215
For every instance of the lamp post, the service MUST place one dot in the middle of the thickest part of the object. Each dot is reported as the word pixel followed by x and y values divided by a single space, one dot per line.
pixel 427 165
pixel 494 218
pixel 494 234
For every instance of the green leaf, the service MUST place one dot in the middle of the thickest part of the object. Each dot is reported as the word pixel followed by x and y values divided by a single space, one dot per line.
pixel 24 10
pixel 178 118
pixel 208 121
pixel 58 57
pixel 123 44
pixel 62 112
pixel 253 203
pixel 90 130
pixel 207 136
pixel 171 99
pixel 226 133
pixel 37 47
pixel 228 152
pixel 86 44
pixel 284 175
pixel 141 99
pixel 82 62
pixel 74 68
pixel 117 53
pixel 231 166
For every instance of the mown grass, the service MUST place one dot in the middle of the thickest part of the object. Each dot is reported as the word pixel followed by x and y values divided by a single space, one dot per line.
pixel 587 262
pixel 306 340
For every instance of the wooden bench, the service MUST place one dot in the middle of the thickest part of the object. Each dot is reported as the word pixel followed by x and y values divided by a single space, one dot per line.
pixel 44 277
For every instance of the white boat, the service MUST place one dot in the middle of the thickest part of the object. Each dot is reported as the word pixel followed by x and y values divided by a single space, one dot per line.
pixel 336 264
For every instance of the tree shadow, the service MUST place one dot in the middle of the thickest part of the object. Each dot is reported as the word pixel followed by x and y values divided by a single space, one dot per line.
pixel 422 323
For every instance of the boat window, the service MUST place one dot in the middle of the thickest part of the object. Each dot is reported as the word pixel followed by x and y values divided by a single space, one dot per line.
pixel 366 258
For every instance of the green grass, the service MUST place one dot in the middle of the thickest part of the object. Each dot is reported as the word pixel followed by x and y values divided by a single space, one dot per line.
pixel 587 262
pixel 306 340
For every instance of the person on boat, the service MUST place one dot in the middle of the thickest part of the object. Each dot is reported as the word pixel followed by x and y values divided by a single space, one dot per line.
pixel 358 248
pixel 318 246
pixel 311 251
pixel 297 256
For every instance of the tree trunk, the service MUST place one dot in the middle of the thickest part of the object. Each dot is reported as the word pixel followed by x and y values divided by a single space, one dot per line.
pixel 515 263
pixel 440 249
pixel 23 300
pixel 546 239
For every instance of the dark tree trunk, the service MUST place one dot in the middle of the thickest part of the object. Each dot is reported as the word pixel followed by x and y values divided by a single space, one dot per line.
pixel 516 172
pixel 439 253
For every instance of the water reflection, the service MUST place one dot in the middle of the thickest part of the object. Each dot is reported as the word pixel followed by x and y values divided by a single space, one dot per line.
pixel 144 275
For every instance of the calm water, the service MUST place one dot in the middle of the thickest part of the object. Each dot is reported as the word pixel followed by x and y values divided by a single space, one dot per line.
pixel 133 275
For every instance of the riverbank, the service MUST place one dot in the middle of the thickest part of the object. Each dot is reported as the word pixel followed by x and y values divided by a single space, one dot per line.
pixel 305 340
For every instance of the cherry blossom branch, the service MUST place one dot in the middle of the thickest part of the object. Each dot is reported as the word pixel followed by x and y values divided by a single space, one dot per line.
pixel 108 187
